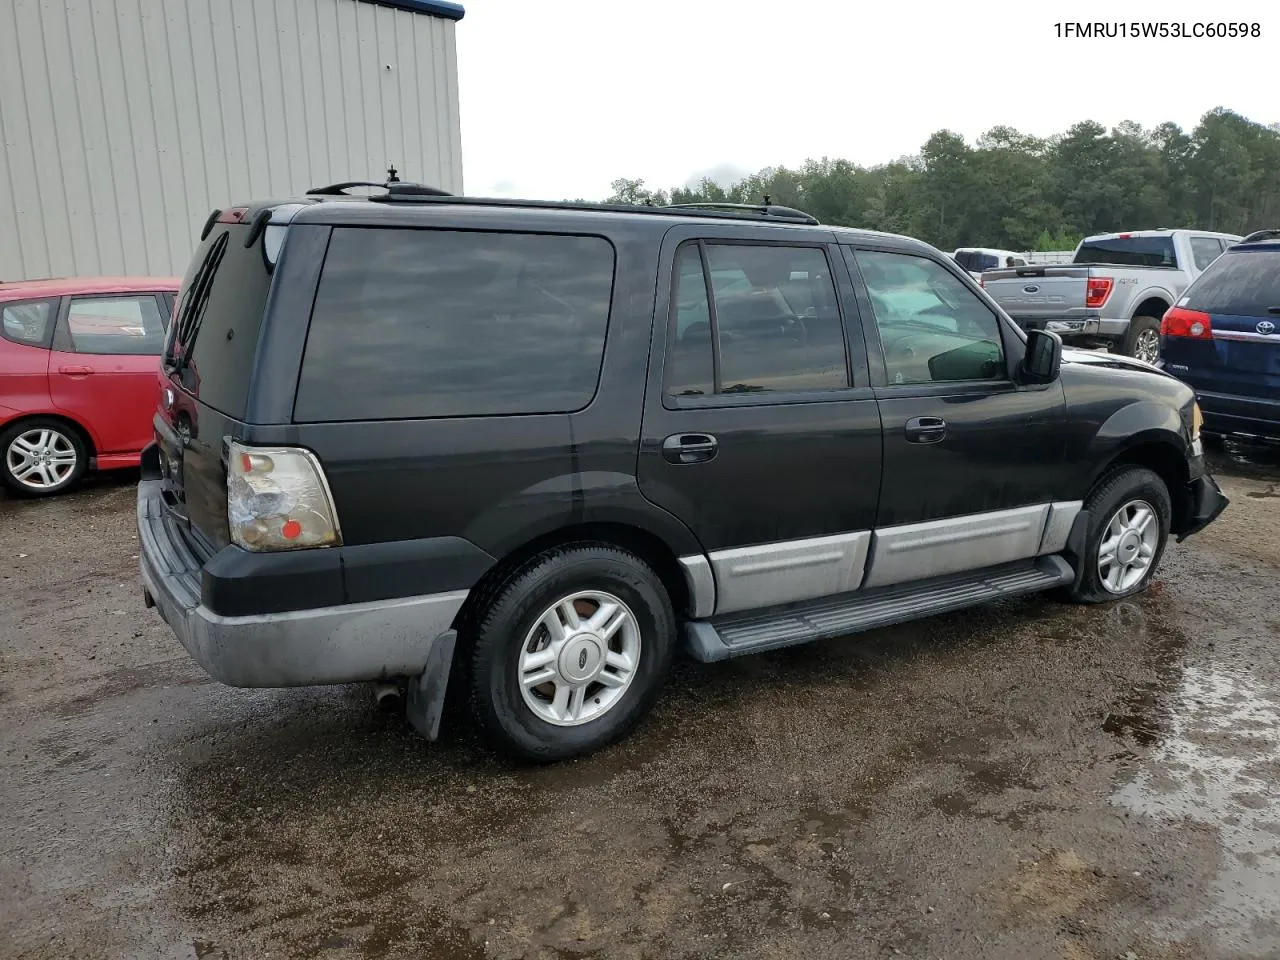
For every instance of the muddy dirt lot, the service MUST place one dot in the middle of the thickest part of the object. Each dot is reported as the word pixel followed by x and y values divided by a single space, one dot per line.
pixel 1022 780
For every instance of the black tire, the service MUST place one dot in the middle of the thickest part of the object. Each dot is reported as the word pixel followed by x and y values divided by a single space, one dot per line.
pixel 1139 326
pixel 511 611
pixel 69 437
pixel 1113 491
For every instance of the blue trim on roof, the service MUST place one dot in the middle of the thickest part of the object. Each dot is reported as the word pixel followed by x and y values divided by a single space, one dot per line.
pixel 433 8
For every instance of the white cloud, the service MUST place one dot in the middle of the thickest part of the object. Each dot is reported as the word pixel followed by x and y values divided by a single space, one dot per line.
pixel 722 174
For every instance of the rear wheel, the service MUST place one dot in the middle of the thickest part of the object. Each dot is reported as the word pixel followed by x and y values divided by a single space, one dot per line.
pixel 1143 339
pixel 41 456
pixel 571 652
pixel 1129 516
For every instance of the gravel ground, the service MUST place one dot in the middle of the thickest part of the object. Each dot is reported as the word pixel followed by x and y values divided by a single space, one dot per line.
pixel 1021 780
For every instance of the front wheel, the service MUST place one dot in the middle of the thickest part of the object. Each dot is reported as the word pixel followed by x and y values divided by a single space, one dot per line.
pixel 1129 516
pixel 1143 339
pixel 571 652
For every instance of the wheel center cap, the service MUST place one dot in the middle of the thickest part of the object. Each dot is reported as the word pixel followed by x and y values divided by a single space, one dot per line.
pixel 1130 544
pixel 581 657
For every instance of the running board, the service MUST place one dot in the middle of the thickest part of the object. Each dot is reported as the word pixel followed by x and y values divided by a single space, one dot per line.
pixel 738 634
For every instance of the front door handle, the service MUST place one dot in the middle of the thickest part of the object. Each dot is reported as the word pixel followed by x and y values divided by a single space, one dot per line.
pixel 926 430
pixel 76 371
pixel 689 447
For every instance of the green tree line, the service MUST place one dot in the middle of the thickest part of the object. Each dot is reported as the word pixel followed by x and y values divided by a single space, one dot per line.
pixel 1019 192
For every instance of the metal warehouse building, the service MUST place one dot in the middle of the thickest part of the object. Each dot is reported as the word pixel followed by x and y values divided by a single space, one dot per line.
pixel 124 122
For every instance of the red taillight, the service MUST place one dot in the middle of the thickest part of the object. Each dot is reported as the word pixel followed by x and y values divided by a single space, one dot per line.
pixel 1096 292
pixel 1180 322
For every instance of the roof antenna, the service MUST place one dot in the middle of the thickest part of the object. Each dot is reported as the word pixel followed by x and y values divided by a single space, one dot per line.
pixel 391 174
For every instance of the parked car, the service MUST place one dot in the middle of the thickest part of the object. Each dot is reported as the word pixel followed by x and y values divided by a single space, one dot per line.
pixel 978 259
pixel 410 433
pixel 1223 338
pixel 79 376
pixel 1115 290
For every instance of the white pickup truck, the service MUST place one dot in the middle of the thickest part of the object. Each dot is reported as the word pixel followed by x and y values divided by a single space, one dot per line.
pixel 1114 291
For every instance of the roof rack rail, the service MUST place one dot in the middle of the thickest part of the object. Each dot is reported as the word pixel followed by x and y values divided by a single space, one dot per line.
pixel 764 209
pixel 1259 235
pixel 340 189
pixel 416 193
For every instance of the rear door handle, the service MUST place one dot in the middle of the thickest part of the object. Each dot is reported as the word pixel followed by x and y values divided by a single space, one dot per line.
pixel 689 447
pixel 76 371
pixel 926 429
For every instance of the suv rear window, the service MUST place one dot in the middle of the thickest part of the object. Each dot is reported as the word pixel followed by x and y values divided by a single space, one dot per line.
pixel 1244 282
pixel 444 323
pixel 219 315
pixel 976 262
pixel 1129 252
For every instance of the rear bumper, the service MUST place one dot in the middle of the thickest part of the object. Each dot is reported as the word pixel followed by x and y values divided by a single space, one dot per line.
pixel 1206 504
pixel 329 644
pixel 1088 327
pixel 1226 413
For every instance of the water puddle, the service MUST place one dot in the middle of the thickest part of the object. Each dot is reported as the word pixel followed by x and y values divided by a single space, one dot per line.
pixel 1215 759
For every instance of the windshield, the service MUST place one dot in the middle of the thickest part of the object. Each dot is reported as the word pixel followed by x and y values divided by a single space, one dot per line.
pixel 211 343
pixel 1129 251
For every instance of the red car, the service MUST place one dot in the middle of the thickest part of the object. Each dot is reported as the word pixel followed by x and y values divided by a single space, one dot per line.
pixel 79 369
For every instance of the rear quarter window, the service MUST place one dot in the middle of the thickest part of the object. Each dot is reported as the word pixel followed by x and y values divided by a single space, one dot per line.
pixel 1243 281
pixel 27 321
pixel 414 324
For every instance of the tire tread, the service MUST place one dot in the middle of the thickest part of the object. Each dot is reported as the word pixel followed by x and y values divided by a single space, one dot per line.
pixel 1086 589
pixel 495 604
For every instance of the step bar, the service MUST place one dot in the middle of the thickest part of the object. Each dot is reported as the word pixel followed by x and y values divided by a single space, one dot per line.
pixel 739 634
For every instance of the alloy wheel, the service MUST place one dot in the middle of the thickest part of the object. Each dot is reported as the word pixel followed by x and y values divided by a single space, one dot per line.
pixel 41 459
pixel 579 658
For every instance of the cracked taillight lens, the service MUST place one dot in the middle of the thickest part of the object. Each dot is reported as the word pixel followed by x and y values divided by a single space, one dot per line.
pixel 278 499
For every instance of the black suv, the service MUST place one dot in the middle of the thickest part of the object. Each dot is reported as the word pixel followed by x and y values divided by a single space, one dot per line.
pixel 529 449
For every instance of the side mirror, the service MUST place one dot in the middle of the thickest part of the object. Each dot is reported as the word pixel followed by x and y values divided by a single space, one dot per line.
pixel 1043 358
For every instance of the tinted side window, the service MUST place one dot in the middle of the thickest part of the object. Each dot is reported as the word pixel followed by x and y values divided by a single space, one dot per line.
pixel 443 323
pixel 775 327
pixel 26 322
pixel 932 327
pixel 690 368
pixel 1205 250
pixel 116 325
pixel 1243 281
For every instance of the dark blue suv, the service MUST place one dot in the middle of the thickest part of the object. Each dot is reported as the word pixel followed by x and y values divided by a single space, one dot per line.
pixel 1223 339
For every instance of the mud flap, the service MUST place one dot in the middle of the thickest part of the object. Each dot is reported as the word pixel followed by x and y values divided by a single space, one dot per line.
pixel 1077 544
pixel 1207 504
pixel 425 704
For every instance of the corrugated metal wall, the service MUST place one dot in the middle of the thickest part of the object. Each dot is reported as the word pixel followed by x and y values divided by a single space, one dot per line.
pixel 124 122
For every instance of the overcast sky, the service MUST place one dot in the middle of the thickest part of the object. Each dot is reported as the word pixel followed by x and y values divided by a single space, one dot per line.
pixel 560 98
